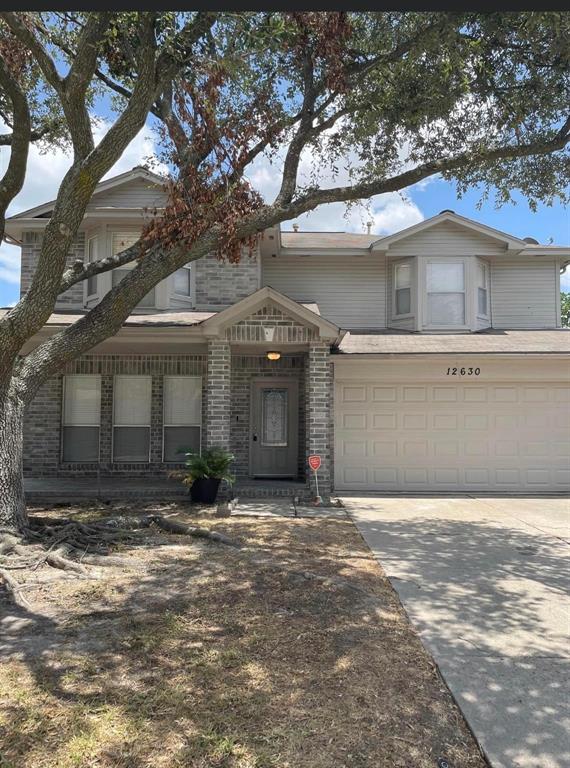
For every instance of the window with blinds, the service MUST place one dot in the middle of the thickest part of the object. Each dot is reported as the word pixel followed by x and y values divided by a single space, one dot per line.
pixel 122 241
pixel 131 419
pixel 182 417
pixel 81 418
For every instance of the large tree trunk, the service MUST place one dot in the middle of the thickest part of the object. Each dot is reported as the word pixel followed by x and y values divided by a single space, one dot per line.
pixel 13 514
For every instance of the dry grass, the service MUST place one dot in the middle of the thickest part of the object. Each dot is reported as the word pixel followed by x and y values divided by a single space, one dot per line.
pixel 197 657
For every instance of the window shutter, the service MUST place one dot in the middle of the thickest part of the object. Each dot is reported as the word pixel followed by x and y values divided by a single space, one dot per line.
pixel 131 400
pixel 82 403
pixel 182 400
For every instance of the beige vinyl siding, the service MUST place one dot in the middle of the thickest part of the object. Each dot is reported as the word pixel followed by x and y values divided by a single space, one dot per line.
pixel 350 290
pixel 135 194
pixel 447 239
pixel 523 293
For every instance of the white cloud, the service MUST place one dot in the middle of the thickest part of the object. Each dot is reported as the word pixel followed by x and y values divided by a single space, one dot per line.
pixel 9 264
pixel 388 213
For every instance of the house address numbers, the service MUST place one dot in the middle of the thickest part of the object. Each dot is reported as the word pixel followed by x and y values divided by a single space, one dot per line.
pixel 463 371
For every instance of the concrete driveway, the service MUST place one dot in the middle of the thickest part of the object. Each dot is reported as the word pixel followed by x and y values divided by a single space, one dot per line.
pixel 485 582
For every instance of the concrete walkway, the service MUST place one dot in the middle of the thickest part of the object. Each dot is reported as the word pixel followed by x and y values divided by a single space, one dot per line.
pixel 485 581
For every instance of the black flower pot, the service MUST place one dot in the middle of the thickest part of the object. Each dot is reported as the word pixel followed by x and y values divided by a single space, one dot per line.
pixel 205 490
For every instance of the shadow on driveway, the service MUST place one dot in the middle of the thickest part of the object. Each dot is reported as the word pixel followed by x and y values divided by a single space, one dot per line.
pixel 485 581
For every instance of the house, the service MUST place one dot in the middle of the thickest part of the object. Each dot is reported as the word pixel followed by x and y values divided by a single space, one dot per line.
pixel 429 360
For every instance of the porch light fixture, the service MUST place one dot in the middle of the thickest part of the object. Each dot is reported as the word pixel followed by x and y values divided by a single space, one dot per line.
pixel 273 355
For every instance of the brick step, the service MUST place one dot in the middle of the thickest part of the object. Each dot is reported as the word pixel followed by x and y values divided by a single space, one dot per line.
pixel 271 490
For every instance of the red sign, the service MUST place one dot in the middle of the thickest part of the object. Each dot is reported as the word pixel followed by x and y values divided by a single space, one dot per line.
pixel 315 462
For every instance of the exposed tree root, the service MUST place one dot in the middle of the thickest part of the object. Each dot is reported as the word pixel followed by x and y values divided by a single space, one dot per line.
pixel 72 546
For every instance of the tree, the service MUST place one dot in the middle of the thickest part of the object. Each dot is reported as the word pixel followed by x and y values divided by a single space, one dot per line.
pixel 565 308
pixel 394 97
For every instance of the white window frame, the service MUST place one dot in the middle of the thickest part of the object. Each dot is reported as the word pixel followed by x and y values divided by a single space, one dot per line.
pixel 91 239
pixel 64 423
pixel 165 425
pixel 395 265
pixel 130 265
pixel 115 425
pixel 466 325
pixel 487 273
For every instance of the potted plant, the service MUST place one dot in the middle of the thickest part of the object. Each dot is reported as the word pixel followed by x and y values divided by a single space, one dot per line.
pixel 204 473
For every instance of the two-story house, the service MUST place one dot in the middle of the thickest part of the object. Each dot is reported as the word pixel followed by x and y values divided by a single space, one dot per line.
pixel 429 360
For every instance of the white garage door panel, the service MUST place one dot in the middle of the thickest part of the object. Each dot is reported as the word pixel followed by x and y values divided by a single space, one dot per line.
pixel 471 436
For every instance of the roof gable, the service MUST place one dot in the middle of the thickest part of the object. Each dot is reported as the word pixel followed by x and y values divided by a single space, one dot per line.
pixel 135 174
pixel 509 241
pixel 268 297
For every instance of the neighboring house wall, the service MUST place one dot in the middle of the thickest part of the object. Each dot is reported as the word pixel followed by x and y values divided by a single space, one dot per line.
pixel 350 290
pixel 524 293
pixel 31 246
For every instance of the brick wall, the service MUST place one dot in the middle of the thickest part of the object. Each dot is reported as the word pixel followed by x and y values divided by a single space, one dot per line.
pixel 32 242
pixel 42 427
pixel 221 284
pixel 269 324
pixel 318 391
pixel 244 370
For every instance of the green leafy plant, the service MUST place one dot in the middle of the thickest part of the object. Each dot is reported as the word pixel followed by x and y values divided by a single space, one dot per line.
pixel 565 308
pixel 213 463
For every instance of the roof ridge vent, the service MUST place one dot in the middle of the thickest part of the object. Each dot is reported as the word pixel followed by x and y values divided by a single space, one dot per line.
pixel 446 210
pixel 531 241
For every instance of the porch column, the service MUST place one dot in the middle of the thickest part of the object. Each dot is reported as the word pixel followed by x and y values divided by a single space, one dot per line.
pixel 318 377
pixel 218 394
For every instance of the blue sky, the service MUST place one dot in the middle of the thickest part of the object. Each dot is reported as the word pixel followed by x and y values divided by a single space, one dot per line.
pixel 388 213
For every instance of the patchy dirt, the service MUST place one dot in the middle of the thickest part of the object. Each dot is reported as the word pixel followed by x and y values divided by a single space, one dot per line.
pixel 204 656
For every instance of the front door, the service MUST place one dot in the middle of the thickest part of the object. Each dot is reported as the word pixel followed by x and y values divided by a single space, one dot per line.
pixel 274 428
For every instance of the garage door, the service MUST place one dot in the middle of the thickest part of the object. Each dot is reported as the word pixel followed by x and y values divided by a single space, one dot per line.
pixel 450 436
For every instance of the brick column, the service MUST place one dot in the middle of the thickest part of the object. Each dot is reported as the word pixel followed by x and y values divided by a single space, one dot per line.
pixel 318 381
pixel 218 395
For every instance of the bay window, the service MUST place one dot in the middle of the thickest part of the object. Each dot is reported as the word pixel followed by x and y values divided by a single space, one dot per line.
pixel 81 418
pixel 445 293
pixel 131 418
pixel 181 280
pixel 403 288
pixel 482 289
pixel 120 242
pixel 92 255
pixel 182 417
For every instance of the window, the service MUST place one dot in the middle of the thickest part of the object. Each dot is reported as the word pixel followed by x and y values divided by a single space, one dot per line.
pixel 181 280
pixel 482 289
pixel 122 241
pixel 403 288
pixel 91 257
pixel 182 417
pixel 147 301
pixel 446 293
pixel 131 418
pixel 81 418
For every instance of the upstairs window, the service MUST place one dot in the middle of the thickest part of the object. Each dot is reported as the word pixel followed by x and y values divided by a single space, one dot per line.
pixel 81 418
pixel 403 288
pixel 482 289
pixel 182 282
pixel 92 255
pixel 445 293
pixel 122 241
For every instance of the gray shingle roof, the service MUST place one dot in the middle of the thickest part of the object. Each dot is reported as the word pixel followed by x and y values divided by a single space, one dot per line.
pixel 485 342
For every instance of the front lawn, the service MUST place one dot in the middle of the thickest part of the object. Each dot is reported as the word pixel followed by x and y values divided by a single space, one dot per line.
pixel 292 651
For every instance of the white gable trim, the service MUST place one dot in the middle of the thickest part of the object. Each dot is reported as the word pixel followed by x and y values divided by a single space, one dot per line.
pixel 103 186
pixel 511 243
